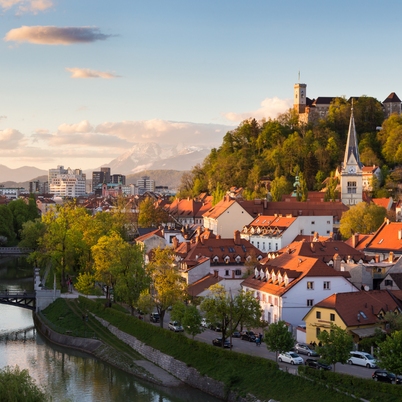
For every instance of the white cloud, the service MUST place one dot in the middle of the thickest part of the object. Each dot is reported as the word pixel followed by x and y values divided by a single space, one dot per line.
pixel 25 6
pixel 88 73
pixel 10 138
pixel 270 108
pixel 51 35
pixel 81 127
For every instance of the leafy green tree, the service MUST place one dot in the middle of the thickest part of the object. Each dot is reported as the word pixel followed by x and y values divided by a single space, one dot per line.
pixel 18 386
pixel 85 283
pixel 31 232
pixel 336 345
pixel 150 215
pixel 6 224
pixel 331 194
pixel 390 137
pixel 189 316
pixel 279 187
pixel 394 321
pixel 361 218
pixel 218 194
pixel 278 338
pixel 221 307
pixel 167 285
pixel 390 353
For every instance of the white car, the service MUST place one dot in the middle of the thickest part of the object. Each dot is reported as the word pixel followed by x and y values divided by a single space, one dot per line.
pixel 204 323
pixel 362 359
pixel 290 357
pixel 175 326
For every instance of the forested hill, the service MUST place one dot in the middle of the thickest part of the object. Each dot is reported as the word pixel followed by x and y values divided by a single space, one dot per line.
pixel 279 149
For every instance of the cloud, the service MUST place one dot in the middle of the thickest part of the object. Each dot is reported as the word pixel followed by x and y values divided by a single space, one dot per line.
pixel 166 132
pixel 88 73
pixel 81 127
pixel 270 108
pixel 51 35
pixel 25 6
pixel 10 138
pixel 3 117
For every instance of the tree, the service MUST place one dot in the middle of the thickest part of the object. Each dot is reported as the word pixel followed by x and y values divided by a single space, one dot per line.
pixel 279 187
pixel 390 353
pixel 362 218
pixel 167 285
pixel 18 386
pixel 189 316
pixel 6 224
pixel 31 232
pixel 221 307
pixel 150 215
pixel 336 345
pixel 278 338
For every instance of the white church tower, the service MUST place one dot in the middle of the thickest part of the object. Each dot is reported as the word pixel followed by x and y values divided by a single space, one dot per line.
pixel 351 174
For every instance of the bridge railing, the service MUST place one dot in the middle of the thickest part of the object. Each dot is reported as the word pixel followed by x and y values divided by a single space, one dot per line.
pixel 15 250
pixel 15 293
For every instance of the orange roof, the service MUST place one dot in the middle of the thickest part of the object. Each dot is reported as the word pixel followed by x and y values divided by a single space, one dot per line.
pixel 219 208
pixel 272 221
pixel 382 202
pixel 148 235
pixel 204 283
pixel 360 308
pixel 387 238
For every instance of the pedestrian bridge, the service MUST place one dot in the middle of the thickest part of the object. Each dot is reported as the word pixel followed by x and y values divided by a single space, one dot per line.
pixel 19 299
pixel 15 250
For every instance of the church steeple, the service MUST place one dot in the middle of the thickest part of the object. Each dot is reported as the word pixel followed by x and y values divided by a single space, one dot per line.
pixel 352 157
pixel 351 173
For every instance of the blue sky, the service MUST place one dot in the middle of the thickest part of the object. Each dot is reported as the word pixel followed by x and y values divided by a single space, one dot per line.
pixel 83 81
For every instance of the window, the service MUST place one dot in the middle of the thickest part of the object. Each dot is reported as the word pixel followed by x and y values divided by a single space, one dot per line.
pixel 328 222
pixel 318 314
pixel 317 332
pixel 313 222
pixel 226 272
pixel 351 187
pixel 388 282
pixel 332 317
pixel 258 244
pixel 276 246
pixel 310 285
pixel 269 246
pixel 238 272
pixel 327 285
pixel 310 302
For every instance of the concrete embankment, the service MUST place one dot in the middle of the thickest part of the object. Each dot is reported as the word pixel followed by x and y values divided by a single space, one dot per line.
pixel 142 369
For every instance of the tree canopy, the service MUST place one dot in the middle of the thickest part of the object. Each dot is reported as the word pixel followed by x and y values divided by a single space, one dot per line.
pixel 278 338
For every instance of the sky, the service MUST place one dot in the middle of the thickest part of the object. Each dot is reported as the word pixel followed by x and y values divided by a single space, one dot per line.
pixel 84 81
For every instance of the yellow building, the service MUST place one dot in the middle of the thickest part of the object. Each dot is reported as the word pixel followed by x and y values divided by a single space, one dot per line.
pixel 360 313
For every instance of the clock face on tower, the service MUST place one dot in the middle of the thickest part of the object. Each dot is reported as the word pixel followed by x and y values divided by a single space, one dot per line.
pixel 351 169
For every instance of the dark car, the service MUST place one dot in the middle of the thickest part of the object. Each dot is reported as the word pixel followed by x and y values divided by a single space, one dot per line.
pixel 215 327
pixel 154 317
pixel 248 336
pixel 236 334
pixel 218 342
pixel 303 349
pixel 315 364
pixel 386 376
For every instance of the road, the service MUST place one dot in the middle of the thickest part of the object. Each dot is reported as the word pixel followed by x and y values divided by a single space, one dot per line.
pixel 250 348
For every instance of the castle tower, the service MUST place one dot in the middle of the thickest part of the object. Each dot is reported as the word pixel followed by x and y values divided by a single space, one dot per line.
pixel 299 98
pixel 351 174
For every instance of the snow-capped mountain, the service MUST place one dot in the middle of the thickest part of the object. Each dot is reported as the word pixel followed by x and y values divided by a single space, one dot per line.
pixel 153 156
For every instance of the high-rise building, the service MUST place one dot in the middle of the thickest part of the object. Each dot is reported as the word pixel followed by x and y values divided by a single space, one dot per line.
pixel 118 178
pixel 106 172
pixel 72 183
pixel 98 177
pixel 145 184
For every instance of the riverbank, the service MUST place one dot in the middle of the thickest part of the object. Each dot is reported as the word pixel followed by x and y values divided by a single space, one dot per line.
pixel 142 369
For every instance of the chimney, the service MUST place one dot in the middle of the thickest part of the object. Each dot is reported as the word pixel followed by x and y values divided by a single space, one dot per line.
pixel 237 238
pixel 218 236
pixel 399 234
pixel 265 203
pixel 391 256
pixel 337 262
pixel 175 242
pixel 355 237
pixel 377 258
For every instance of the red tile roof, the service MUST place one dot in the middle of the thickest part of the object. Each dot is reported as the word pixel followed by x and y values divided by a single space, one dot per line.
pixel 202 284
pixel 387 238
pixel 360 308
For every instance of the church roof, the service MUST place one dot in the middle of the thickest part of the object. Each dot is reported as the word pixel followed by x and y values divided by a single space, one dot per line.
pixel 352 148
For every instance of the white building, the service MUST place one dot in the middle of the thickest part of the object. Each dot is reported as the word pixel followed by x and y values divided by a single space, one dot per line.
pixel 67 183
pixel 273 232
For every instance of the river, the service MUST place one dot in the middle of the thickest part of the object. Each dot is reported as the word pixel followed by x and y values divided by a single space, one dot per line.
pixel 68 375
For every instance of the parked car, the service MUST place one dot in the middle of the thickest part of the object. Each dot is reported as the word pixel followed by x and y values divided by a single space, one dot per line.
pixel 315 364
pixel 304 349
pixel 290 357
pixel 175 326
pixel 204 323
pixel 362 359
pixel 386 376
pixel 218 342
pixel 236 334
pixel 215 327
pixel 154 317
pixel 248 336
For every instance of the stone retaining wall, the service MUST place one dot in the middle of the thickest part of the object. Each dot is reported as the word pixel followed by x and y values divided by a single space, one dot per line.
pixel 180 370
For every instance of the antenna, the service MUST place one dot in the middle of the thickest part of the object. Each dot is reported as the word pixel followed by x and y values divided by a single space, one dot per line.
pixel 299 76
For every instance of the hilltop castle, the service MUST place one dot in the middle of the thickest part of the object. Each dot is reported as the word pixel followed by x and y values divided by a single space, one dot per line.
pixel 311 110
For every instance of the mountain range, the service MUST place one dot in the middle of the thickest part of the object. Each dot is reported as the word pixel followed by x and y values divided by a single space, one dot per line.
pixel 141 159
